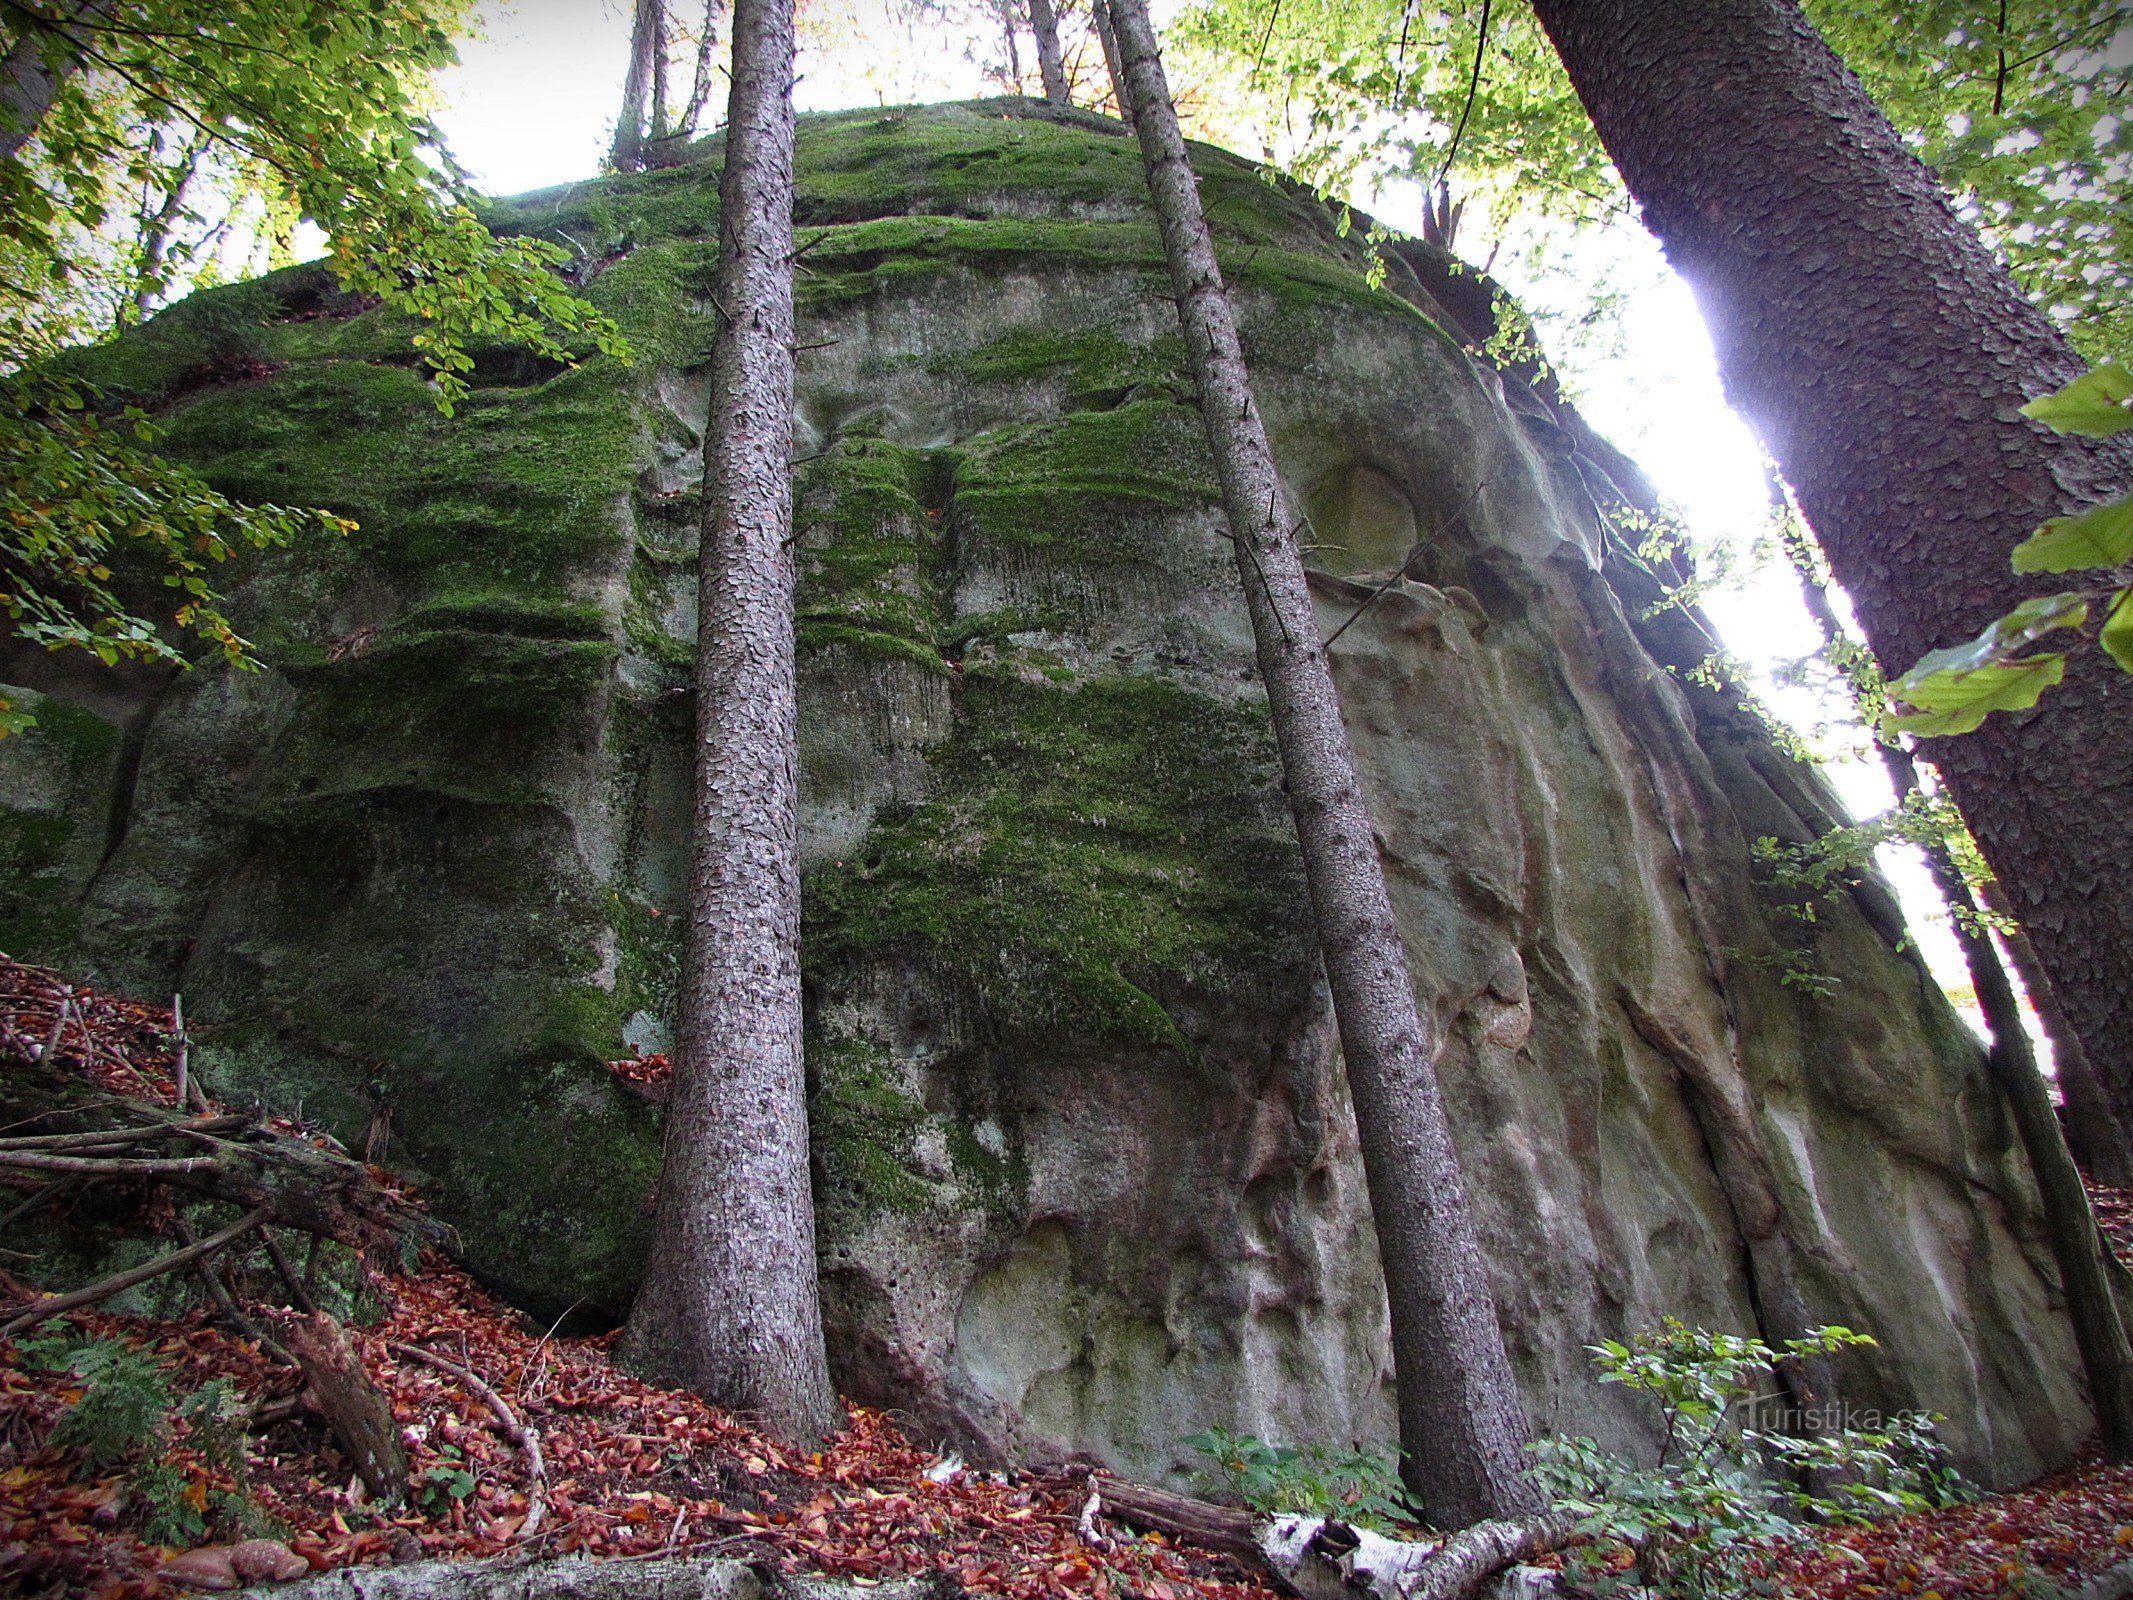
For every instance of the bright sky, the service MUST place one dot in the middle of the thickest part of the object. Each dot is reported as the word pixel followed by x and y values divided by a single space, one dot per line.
pixel 533 104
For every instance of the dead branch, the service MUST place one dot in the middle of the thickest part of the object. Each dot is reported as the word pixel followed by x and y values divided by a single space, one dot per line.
pixel 45 1310
pixel 526 1438
pixel 355 1408
pixel 1210 1526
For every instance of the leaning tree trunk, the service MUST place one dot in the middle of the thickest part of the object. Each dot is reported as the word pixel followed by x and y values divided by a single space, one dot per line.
pixel 1881 349
pixel 1107 38
pixel 729 1306
pixel 1044 23
pixel 647 24
pixel 1460 1417
pixel 2077 1244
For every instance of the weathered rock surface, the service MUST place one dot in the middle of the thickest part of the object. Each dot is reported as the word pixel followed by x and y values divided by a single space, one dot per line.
pixel 1087 1170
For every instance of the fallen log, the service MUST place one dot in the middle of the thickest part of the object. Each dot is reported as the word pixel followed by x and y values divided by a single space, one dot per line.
pixel 355 1408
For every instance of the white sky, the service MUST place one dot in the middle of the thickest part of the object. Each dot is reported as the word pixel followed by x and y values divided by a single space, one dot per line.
pixel 533 103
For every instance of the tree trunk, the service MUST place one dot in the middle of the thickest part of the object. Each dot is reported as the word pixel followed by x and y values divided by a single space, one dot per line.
pixel 1044 23
pixel 2077 1245
pixel 355 1408
pixel 1881 350
pixel 700 86
pixel 156 229
pixel 30 81
pixel 729 1306
pixel 646 25
pixel 1107 37
pixel 2093 1131
pixel 1461 1421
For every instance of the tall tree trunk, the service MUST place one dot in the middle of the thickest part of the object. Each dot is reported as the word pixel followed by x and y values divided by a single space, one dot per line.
pixel 2093 1132
pixel 2077 1244
pixel 1881 350
pixel 729 1305
pixel 37 64
pixel 156 228
pixel 1044 23
pixel 1460 1416
pixel 1107 37
pixel 646 25
pixel 700 87
pixel 657 120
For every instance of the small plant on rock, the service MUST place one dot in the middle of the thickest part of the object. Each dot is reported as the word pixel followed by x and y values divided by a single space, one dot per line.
pixel 1685 1526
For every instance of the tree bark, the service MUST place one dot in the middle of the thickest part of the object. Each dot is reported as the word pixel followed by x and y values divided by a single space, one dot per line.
pixel 1107 37
pixel 2077 1244
pixel 356 1409
pixel 2093 1131
pixel 729 1305
pixel 1882 351
pixel 1044 23
pixel 706 57
pixel 647 24
pixel 1461 1420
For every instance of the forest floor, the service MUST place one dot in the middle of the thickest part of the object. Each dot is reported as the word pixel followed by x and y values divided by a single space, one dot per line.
pixel 635 1470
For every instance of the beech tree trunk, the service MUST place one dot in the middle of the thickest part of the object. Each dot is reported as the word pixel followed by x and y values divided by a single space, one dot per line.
pixel 30 78
pixel 700 86
pixel 1044 23
pixel 2077 1244
pixel 1881 350
pixel 1461 1421
pixel 729 1306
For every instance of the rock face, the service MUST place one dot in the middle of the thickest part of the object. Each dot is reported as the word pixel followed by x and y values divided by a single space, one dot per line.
pixel 1086 1166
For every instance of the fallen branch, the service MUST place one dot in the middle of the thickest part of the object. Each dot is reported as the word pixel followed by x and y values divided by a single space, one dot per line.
pixel 123 1136
pixel 527 1439
pixel 1212 1527
pixel 45 1310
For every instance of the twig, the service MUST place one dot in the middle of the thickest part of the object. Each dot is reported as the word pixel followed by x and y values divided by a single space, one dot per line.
pixel 1473 83
pixel 45 1310
pixel 299 1297
pixel 1411 558
pixel 527 1439
pixel 227 1304
pixel 59 1026
pixel 49 1191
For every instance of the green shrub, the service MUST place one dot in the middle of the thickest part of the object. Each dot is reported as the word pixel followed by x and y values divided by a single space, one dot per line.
pixel 1356 1485
pixel 1722 1483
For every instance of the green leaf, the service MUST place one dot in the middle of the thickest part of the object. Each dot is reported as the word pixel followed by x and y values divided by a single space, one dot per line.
pixel 2093 405
pixel 2101 536
pixel 2116 635
pixel 1957 699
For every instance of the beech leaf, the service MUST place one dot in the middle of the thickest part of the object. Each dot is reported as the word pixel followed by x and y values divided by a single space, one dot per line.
pixel 1957 699
pixel 2093 405
pixel 2116 634
pixel 2101 536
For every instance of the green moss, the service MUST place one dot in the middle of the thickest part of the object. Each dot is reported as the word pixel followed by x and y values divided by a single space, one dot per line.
pixel 1101 368
pixel 1064 485
pixel 1077 860
pixel 863 1128
pixel 54 783
pixel 478 715
pixel 869 548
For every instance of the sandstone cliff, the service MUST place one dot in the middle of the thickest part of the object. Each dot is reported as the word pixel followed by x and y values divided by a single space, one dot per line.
pixel 1087 1171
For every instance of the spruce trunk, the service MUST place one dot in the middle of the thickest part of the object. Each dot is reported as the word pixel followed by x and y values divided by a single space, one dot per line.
pixel 1044 23
pixel 1461 1421
pixel 729 1306
pixel 1882 350
pixel 1107 38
